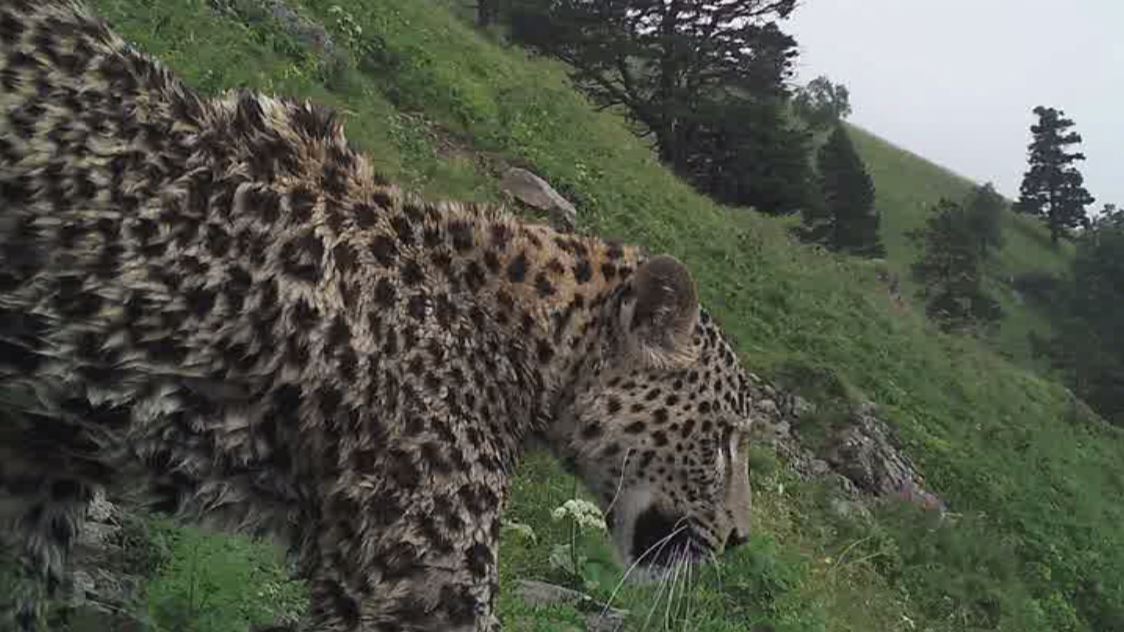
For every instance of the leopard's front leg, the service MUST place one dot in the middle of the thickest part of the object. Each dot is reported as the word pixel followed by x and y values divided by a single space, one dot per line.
pixel 409 542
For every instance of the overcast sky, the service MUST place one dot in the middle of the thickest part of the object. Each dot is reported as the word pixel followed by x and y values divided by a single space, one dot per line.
pixel 956 80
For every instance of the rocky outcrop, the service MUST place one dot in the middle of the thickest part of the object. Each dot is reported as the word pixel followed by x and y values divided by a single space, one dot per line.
pixel 861 453
pixel 867 454
pixel 893 287
pixel 278 12
pixel 537 193
pixel 111 560
pixel 598 617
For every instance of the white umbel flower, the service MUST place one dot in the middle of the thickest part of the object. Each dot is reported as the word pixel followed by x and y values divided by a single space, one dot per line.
pixel 586 514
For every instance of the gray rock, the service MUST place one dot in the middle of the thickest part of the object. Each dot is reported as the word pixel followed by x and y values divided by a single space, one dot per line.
pixel 801 407
pixel 537 193
pixel 861 458
pixel 309 33
pixel 845 508
pixel 867 454
pixel 769 408
pixel 598 618
pixel 782 429
pixel 104 584
pixel 819 467
pixel 100 509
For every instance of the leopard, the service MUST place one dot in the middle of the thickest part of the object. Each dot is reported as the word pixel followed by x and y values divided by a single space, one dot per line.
pixel 215 306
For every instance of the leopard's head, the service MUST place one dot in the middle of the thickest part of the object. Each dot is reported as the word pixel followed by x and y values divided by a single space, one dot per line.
pixel 657 426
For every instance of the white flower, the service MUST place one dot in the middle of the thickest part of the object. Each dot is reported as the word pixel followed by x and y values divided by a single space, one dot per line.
pixel 584 513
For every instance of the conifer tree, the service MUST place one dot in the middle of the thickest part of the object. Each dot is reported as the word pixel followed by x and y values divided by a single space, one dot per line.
pixel 823 103
pixel 706 81
pixel 984 214
pixel 663 60
pixel 846 220
pixel 1052 187
pixel 746 153
pixel 487 12
pixel 949 270
pixel 1088 316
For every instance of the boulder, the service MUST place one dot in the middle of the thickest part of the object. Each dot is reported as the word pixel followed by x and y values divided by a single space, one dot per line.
pixel 308 33
pixel 861 455
pixel 537 193
pixel 108 566
pixel 865 452
pixel 599 617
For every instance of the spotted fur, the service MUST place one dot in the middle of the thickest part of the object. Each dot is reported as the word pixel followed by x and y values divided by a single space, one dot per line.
pixel 217 306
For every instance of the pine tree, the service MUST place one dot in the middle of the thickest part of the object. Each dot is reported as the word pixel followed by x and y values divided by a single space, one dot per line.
pixel 1111 215
pixel 949 270
pixel 823 103
pixel 487 12
pixel 846 220
pixel 985 211
pixel 1088 316
pixel 746 153
pixel 706 81
pixel 1052 187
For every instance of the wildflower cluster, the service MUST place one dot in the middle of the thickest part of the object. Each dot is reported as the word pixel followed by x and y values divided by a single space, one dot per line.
pixel 585 514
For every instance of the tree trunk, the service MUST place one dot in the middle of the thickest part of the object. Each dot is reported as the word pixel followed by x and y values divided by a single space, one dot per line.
pixel 668 135
pixel 670 145
pixel 486 11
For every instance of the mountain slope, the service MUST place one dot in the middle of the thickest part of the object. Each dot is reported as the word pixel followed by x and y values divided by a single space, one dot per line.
pixel 1039 542
pixel 908 185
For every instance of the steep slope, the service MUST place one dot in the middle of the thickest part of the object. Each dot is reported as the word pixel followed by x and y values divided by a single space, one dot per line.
pixel 908 185
pixel 1038 542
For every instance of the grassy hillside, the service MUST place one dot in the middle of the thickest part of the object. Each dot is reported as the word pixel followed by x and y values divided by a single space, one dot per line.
pixel 908 184
pixel 1037 541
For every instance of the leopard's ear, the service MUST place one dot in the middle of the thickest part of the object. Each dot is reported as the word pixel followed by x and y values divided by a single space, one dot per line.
pixel 660 314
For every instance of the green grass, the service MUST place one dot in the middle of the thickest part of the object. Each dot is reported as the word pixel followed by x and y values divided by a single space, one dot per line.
pixel 1039 542
pixel 907 185
pixel 220 584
